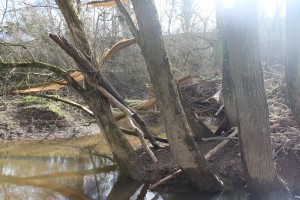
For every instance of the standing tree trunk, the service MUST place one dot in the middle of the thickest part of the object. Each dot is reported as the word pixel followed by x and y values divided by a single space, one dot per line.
pixel 293 56
pixel 227 87
pixel 221 59
pixel 182 143
pixel 119 145
pixel 241 36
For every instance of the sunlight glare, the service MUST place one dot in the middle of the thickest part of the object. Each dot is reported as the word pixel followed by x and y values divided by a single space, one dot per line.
pixel 228 3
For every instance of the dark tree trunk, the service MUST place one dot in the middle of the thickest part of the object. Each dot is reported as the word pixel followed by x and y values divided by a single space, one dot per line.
pixel 222 60
pixel 241 36
pixel 119 145
pixel 293 56
pixel 181 140
pixel 227 88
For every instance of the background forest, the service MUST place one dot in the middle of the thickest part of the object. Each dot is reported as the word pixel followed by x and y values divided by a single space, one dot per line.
pixel 188 26
pixel 213 71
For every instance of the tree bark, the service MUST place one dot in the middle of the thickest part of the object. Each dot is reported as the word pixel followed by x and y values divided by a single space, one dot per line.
pixel 241 36
pixel 82 43
pixel 119 145
pixel 293 56
pixel 222 59
pixel 182 143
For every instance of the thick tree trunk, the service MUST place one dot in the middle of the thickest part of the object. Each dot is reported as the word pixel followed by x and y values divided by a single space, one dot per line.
pixel 222 60
pixel 241 36
pixel 122 151
pixel 119 145
pixel 182 143
pixel 227 88
pixel 293 56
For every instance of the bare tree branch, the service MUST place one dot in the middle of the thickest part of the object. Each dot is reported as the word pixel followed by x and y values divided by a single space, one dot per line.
pixel 134 30
pixel 59 71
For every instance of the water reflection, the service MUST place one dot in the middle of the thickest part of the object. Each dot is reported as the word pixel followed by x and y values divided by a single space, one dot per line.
pixel 84 176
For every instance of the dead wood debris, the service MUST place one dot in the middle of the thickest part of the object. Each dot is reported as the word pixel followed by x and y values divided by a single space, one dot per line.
pixel 205 102
pixel 210 154
pixel 204 99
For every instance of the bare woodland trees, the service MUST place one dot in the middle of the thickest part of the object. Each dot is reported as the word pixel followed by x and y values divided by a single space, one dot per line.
pixel 293 56
pixel 241 36
pixel 243 90
pixel 98 102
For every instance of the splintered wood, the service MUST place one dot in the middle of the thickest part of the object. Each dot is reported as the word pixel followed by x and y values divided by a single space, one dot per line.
pixel 106 3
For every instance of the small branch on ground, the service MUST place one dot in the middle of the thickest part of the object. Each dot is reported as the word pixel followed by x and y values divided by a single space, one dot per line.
pixel 207 156
pixel 67 101
pixel 221 145
pixel 132 133
pixel 142 139
pixel 165 179
pixel 219 138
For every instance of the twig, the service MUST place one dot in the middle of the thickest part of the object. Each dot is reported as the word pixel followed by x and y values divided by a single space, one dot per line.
pixel 67 101
pixel 132 133
pixel 221 145
pixel 285 145
pixel 207 156
pixel 18 45
pixel 165 179
pixel 142 139
pixel 219 138
pixel 218 112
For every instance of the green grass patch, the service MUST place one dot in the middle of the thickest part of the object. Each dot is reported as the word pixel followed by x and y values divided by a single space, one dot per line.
pixel 30 99
pixel 56 109
pixel 134 102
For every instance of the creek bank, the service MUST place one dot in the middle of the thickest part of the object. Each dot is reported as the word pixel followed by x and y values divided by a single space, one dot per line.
pixel 33 122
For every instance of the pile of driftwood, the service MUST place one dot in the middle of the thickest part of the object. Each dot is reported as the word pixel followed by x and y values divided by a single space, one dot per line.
pixel 204 101
pixel 204 98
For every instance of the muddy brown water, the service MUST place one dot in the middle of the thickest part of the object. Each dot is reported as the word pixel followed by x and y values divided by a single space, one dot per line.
pixel 46 172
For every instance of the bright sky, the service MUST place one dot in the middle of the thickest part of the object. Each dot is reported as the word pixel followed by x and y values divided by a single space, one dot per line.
pixel 268 7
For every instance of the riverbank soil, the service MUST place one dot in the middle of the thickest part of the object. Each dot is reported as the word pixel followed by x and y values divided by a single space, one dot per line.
pixel 36 120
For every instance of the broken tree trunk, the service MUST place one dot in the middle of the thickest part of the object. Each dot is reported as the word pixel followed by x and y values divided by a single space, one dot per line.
pixel 119 145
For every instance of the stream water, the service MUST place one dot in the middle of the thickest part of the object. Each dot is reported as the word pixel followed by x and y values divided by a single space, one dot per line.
pixel 75 173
